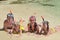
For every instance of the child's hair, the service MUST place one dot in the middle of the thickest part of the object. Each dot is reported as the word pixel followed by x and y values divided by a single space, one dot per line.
pixel 32 18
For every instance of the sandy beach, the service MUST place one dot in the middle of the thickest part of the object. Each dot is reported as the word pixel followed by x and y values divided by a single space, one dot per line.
pixel 28 36
pixel 25 11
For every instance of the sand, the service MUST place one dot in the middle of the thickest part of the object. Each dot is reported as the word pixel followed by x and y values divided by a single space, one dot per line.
pixel 25 11
pixel 28 36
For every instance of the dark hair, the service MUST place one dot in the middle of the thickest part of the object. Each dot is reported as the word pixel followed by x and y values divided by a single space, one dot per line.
pixel 32 17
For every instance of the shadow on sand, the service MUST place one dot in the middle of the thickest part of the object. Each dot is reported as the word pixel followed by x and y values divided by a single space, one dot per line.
pixel 2 29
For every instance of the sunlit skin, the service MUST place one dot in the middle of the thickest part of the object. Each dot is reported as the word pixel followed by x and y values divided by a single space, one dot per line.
pixel 8 23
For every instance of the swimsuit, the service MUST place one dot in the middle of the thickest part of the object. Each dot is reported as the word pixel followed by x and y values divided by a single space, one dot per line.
pixel 35 26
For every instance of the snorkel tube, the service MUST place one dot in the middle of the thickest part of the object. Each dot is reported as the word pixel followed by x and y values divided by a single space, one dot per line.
pixel 42 18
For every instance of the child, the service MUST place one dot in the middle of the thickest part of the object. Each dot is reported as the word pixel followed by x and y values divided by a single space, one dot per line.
pixel 32 25
pixel 44 27
pixel 18 28
pixel 8 23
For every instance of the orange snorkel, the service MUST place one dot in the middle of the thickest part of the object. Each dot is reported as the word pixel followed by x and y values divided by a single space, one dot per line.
pixel 42 18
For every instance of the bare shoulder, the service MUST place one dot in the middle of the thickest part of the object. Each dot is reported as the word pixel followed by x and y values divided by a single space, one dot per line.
pixel 5 21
